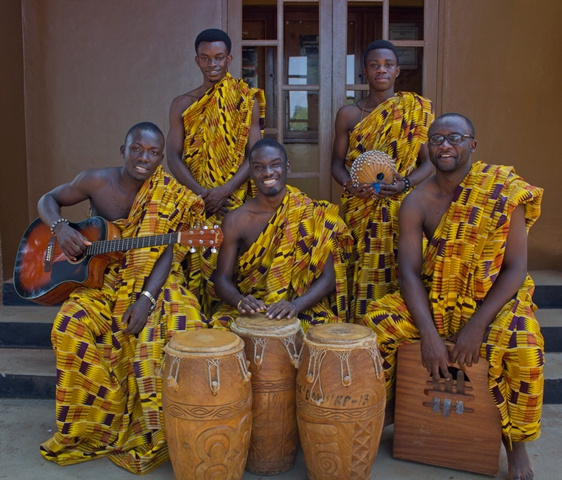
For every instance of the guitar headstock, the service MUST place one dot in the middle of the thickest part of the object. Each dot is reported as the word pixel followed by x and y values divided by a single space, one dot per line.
pixel 201 237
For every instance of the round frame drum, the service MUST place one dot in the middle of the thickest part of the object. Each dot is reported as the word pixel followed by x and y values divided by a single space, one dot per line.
pixel 271 348
pixel 340 401
pixel 207 402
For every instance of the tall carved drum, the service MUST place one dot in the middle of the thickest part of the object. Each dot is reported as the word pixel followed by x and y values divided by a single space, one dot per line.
pixel 340 401
pixel 271 348
pixel 207 401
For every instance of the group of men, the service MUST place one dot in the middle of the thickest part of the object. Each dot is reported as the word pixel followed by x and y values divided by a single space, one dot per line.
pixel 285 255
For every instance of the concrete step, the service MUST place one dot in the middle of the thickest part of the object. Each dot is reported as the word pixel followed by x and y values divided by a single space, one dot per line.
pixel 26 326
pixel 31 373
pixel 548 293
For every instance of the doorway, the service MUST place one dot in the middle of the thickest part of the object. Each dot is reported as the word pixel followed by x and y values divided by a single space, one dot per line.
pixel 308 57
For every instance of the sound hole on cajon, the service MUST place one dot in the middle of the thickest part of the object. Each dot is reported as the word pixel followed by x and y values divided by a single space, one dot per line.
pixel 449 395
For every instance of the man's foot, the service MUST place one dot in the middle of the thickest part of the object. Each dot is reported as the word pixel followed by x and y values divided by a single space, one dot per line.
pixel 518 462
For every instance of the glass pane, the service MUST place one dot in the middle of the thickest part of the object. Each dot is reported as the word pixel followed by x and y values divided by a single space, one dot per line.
pixel 411 69
pixel 301 50
pixel 301 115
pixel 307 185
pixel 409 12
pixel 259 22
pixel 303 156
pixel 258 70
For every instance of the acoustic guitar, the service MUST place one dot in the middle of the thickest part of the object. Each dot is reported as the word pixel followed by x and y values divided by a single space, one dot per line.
pixel 44 275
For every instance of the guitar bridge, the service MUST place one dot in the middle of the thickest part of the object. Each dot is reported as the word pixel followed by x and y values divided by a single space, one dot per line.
pixel 48 260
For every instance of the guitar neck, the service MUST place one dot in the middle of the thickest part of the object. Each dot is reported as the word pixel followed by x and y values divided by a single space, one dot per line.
pixel 124 244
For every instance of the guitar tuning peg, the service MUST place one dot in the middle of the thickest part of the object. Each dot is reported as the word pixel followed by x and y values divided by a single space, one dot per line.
pixel 216 226
pixel 192 250
pixel 213 250
pixel 205 227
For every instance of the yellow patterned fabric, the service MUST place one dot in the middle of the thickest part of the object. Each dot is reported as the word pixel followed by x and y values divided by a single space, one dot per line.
pixel 109 390
pixel 217 128
pixel 397 127
pixel 290 254
pixel 461 263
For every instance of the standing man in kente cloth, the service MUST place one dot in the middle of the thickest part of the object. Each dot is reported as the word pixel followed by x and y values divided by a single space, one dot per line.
pixel 394 123
pixel 212 128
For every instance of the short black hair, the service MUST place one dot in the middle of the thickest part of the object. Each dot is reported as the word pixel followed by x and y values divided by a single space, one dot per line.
pixel 471 130
pixel 268 142
pixel 379 44
pixel 142 126
pixel 213 35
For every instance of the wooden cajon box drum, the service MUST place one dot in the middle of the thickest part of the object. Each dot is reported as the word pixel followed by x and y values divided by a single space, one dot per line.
pixel 451 424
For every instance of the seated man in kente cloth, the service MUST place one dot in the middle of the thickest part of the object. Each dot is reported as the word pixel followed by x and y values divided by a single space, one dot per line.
pixel 109 341
pixel 283 254
pixel 395 123
pixel 212 128
pixel 471 284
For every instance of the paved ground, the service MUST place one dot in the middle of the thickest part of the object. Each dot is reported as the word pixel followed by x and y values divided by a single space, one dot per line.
pixel 24 424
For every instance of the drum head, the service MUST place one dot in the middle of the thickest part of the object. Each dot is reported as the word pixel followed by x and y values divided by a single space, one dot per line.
pixel 258 325
pixel 203 342
pixel 341 336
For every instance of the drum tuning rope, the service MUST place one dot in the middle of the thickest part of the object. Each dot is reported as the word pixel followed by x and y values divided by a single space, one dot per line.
pixel 377 359
pixel 214 384
pixel 259 357
pixel 243 366
pixel 316 357
pixel 174 372
pixel 345 374
pixel 290 344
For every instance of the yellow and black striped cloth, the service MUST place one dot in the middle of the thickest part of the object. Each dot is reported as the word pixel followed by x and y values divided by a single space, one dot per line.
pixel 217 128
pixel 461 263
pixel 108 394
pixel 290 254
pixel 398 127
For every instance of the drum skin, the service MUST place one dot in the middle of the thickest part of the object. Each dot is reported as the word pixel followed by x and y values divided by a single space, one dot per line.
pixel 340 401
pixel 271 349
pixel 207 402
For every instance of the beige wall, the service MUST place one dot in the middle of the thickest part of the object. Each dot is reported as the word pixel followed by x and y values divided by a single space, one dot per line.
pixel 13 179
pixel 92 70
pixel 500 66
pixel 89 70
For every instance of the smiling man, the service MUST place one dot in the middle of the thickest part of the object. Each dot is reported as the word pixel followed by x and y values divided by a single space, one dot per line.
pixel 283 254
pixel 394 123
pixel 470 285
pixel 212 128
pixel 109 341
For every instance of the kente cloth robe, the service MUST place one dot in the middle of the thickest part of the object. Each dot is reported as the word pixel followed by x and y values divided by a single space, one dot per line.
pixel 460 265
pixel 290 254
pixel 217 128
pixel 109 388
pixel 398 127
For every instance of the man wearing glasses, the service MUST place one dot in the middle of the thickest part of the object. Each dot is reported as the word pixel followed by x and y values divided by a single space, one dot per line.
pixel 470 285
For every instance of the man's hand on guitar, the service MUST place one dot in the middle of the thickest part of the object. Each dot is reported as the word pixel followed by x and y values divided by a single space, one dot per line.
pixel 71 241
pixel 136 316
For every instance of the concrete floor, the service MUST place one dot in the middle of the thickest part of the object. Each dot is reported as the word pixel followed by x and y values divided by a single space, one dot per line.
pixel 24 424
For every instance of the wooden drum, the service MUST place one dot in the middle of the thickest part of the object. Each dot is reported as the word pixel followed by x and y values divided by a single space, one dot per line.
pixel 340 401
pixel 271 348
pixel 207 401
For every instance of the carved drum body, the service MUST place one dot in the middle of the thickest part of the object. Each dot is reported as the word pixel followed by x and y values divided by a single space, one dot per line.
pixel 207 401
pixel 271 348
pixel 340 401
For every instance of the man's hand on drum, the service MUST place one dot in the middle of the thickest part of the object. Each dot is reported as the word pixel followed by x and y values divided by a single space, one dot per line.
pixel 250 304
pixel 281 309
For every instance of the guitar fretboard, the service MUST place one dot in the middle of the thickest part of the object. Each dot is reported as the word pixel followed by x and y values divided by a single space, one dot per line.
pixel 123 244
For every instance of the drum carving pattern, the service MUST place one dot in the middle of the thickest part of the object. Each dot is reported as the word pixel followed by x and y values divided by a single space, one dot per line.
pixel 271 348
pixel 207 401
pixel 340 401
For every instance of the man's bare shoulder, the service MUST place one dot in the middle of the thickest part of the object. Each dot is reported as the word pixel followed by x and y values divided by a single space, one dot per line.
pixel 349 115
pixel 97 176
pixel 182 102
